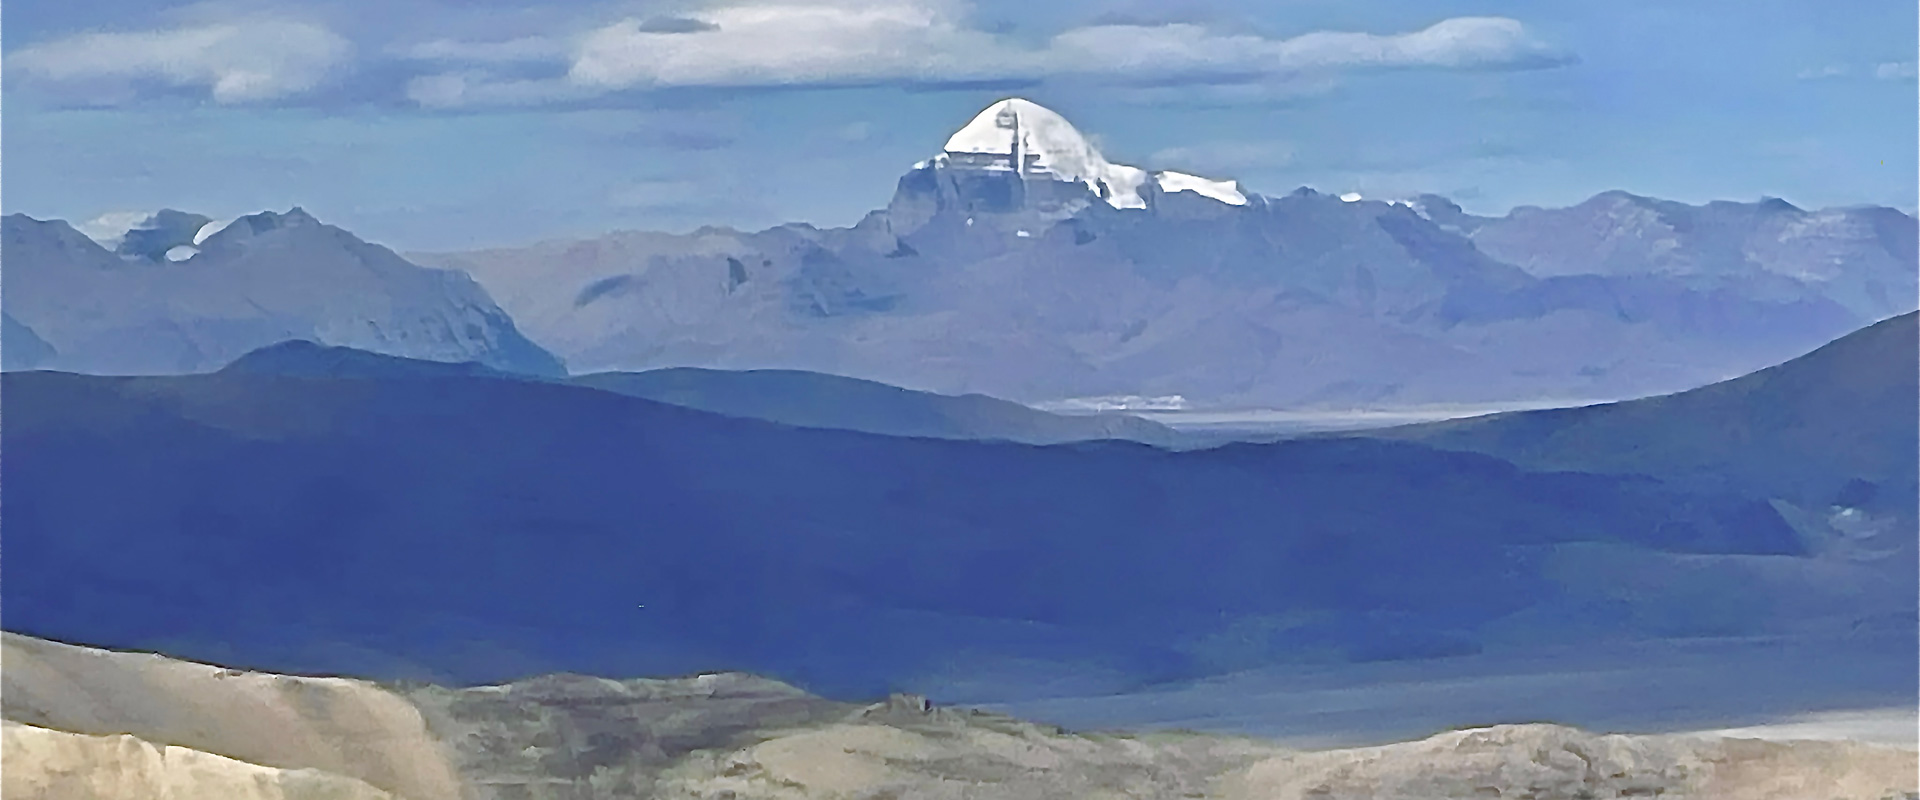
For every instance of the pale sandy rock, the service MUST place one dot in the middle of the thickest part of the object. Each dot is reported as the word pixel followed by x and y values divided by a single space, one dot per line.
pixel 86 723
pixel 1550 762
pixel 43 764
pixel 348 727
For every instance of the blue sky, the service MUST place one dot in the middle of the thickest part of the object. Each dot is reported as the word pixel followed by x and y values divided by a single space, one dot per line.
pixel 439 125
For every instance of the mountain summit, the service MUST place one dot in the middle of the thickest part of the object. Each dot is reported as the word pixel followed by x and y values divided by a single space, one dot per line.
pixel 1017 155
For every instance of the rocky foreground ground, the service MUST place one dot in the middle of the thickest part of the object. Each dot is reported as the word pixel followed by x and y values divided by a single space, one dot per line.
pixel 86 723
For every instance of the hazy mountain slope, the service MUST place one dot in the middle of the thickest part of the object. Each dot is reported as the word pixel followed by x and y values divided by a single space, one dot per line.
pixel 813 400
pixel 803 399
pixel 262 279
pixel 1836 426
pixel 20 347
pixel 1863 258
pixel 1297 301
pixel 482 529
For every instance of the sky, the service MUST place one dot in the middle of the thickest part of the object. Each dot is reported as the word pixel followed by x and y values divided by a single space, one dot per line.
pixel 441 125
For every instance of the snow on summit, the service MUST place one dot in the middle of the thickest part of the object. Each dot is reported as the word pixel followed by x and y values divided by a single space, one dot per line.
pixel 1020 135
pixel 1224 191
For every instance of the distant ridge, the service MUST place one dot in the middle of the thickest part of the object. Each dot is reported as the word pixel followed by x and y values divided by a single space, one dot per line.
pixel 816 400
pixel 1829 427
pixel 305 359
pixel 789 397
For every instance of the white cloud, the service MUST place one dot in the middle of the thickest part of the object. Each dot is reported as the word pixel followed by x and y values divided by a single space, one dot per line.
pixel 110 227
pixel 1900 70
pixel 236 62
pixel 531 48
pixel 820 42
pixel 855 131
pixel 1890 71
pixel 1191 50
pixel 461 89
pixel 772 45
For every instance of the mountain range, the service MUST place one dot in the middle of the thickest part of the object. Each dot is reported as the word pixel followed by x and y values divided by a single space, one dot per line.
pixel 180 293
pixel 815 400
pixel 1018 262
pixel 524 526
pixel 800 399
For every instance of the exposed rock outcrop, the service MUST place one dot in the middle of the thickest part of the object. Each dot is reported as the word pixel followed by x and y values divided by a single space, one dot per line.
pixel 1550 761
pixel 345 727
pixel 93 724
pixel 44 764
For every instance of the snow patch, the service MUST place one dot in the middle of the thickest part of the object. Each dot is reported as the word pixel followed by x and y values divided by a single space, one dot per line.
pixel 208 230
pixel 1224 191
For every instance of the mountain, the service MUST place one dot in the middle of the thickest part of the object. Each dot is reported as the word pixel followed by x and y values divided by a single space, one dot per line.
pixel 182 294
pixel 813 400
pixel 304 359
pixel 1019 156
pixel 1020 263
pixel 22 348
pixel 1835 427
pixel 479 529
pixel 802 399
pixel 130 726
pixel 167 235
pixel 1862 258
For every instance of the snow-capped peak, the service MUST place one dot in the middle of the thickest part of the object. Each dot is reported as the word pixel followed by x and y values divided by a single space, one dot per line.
pixel 1019 135
pixel 1026 137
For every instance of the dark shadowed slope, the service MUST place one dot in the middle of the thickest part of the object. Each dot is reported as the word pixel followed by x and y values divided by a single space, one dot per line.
pixel 815 400
pixel 801 399
pixel 304 359
pixel 1834 427
pixel 480 529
